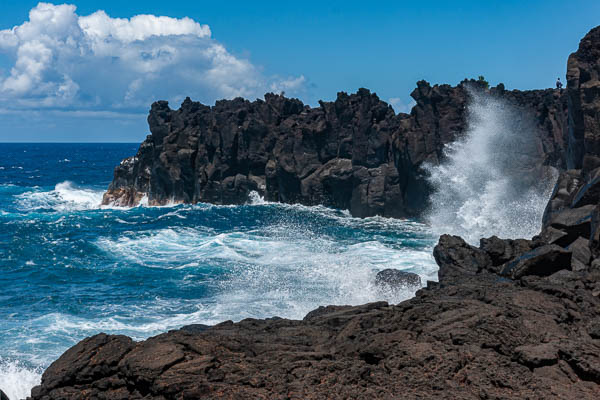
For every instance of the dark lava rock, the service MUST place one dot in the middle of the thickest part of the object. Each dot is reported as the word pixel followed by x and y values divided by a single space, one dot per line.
pixel 456 258
pixel 574 222
pixel 589 191
pixel 393 278
pixel 479 334
pixel 354 153
pixel 503 250
pixel 3 396
pixel 566 186
pixel 582 255
pixel 583 89
pixel 535 356
pixel 542 261
pixel 195 328
pixel 594 329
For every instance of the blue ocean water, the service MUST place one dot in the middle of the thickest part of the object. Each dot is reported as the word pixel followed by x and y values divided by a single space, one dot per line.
pixel 70 268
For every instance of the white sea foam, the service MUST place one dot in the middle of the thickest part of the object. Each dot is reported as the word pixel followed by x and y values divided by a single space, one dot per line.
pixel 282 269
pixel 17 380
pixel 65 197
pixel 139 324
pixel 256 199
pixel 488 184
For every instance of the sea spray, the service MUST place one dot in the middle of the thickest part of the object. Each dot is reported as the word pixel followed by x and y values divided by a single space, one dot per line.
pixel 491 181
pixel 16 380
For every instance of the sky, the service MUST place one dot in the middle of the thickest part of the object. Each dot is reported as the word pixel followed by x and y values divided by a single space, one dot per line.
pixel 88 71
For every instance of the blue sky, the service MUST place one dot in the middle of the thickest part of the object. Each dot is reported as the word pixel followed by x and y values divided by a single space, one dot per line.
pixel 67 78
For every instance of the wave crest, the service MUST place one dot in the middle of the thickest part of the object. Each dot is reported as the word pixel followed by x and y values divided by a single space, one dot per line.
pixel 65 197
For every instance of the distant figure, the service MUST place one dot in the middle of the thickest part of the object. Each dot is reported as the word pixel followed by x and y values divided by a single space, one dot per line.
pixel 558 84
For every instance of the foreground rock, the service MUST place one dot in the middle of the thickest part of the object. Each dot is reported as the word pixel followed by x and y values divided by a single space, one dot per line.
pixel 354 153
pixel 475 334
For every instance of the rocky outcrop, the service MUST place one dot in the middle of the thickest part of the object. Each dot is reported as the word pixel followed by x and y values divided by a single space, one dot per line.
pixel 583 87
pixel 475 334
pixel 571 219
pixel 354 153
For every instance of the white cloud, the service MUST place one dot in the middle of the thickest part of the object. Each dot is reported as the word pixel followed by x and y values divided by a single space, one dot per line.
pixel 65 61
pixel 288 85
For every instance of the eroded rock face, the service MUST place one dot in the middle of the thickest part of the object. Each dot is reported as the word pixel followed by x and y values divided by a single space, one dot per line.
pixel 354 153
pixel 583 87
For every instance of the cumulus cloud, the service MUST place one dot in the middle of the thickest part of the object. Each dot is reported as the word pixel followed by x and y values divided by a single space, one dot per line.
pixel 62 60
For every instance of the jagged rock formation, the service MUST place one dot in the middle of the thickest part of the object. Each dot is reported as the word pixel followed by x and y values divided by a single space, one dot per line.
pixel 509 319
pixel 353 153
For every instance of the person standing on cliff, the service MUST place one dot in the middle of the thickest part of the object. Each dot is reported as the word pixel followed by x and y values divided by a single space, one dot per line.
pixel 558 84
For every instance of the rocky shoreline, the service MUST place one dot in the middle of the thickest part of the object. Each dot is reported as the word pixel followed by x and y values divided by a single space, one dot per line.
pixel 354 153
pixel 508 319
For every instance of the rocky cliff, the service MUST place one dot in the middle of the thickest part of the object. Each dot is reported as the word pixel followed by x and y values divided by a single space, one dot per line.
pixel 354 153
pixel 509 319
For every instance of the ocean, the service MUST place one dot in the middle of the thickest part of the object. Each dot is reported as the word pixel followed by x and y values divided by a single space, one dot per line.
pixel 70 268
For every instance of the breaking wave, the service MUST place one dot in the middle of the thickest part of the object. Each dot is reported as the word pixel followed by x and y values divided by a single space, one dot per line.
pixel 65 197
pixel 490 182
pixel 16 380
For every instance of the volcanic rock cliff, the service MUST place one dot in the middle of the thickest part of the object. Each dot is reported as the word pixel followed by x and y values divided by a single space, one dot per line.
pixel 509 319
pixel 354 153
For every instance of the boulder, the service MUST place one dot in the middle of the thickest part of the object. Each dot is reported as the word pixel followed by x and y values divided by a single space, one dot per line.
pixel 396 279
pixel 3 396
pixel 456 258
pixel 538 355
pixel 542 261
pixel 575 222
pixel 550 235
pixel 503 250
pixel 582 254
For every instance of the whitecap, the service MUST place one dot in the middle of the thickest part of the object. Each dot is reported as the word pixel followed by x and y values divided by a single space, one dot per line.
pixel 65 197
pixel 281 269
